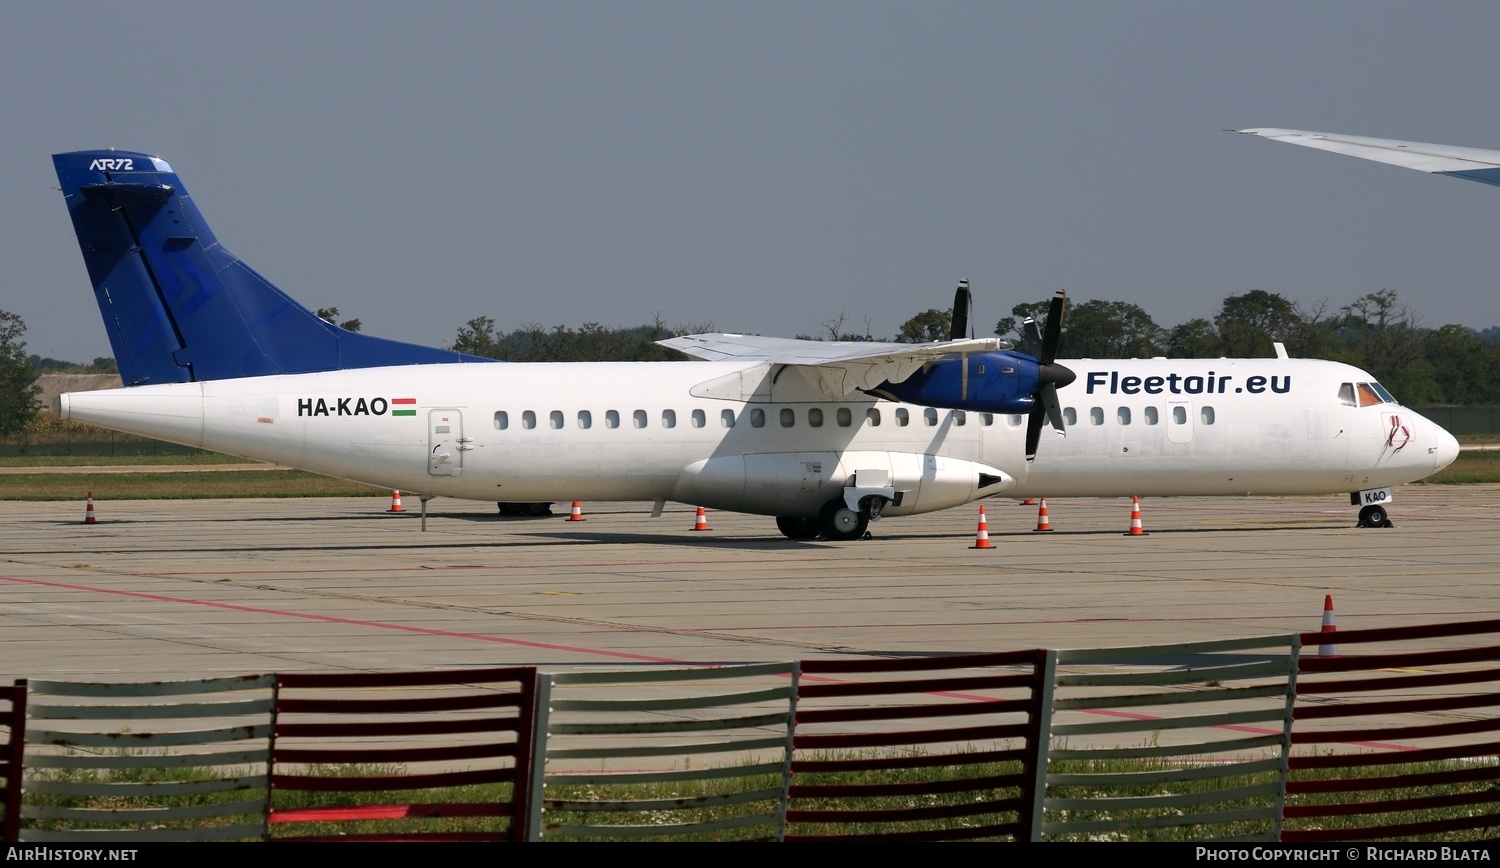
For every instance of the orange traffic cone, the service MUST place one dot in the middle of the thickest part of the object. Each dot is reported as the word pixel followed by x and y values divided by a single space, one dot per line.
pixel 702 522
pixel 395 502
pixel 88 510
pixel 982 537
pixel 577 513
pixel 1135 517
pixel 1030 501
pixel 1328 649
pixel 1042 524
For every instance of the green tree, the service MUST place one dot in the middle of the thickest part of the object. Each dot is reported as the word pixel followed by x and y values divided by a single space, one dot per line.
pixel 1194 339
pixel 1098 329
pixel 1385 336
pixel 331 314
pixel 929 325
pixel 1249 323
pixel 1466 367
pixel 478 337
pixel 18 389
pixel 1010 327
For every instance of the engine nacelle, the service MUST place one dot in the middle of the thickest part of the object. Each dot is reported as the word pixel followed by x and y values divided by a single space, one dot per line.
pixel 998 382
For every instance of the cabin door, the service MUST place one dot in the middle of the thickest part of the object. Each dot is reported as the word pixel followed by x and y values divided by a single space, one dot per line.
pixel 446 444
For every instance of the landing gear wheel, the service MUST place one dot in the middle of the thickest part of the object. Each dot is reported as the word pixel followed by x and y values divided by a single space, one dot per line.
pixel 842 524
pixel 1374 516
pixel 796 528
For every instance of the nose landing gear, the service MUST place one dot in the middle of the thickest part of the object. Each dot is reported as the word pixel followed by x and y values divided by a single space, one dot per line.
pixel 1374 516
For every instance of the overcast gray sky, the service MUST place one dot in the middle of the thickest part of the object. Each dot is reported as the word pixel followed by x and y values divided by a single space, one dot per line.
pixel 761 166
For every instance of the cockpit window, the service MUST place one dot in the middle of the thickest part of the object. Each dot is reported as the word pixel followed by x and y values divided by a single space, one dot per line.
pixel 1364 395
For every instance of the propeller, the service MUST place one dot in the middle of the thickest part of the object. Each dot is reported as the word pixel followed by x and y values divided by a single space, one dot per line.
pixel 1051 376
pixel 963 301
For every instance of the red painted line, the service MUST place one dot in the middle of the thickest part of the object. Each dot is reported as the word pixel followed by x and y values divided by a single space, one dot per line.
pixel 329 619
pixel 574 565
pixel 427 631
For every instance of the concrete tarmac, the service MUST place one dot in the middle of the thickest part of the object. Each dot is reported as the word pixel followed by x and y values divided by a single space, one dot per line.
pixel 193 589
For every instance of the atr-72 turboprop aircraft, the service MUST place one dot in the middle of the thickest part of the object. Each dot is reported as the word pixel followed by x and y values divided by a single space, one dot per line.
pixel 825 436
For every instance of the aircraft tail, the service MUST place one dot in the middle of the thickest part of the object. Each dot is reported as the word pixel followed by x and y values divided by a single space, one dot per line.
pixel 181 308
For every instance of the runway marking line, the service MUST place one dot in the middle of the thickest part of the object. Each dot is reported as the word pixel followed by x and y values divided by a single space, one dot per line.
pixel 428 631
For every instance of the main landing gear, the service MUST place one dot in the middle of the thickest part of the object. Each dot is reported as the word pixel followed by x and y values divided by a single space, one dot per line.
pixel 835 523
pixel 1374 516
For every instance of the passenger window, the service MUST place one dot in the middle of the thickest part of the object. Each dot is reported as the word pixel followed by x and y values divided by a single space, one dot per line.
pixel 757 418
pixel 930 416
pixel 555 418
pixel 815 417
pixel 1014 419
pixel 902 417
pixel 1179 415
pixel 1070 416
pixel 585 419
pixel 669 418
pixel 726 418
pixel 788 417
pixel 699 420
pixel 502 420
pixel 986 419
pixel 611 418
pixel 1122 416
pixel 639 418
pixel 960 417
pixel 528 420
pixel 1096 415
pixel 872 416
pixel 1152 416
pixel 845 417
pixel 1207 415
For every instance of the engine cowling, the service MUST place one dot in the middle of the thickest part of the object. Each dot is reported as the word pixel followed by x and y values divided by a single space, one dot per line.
pixel 997 382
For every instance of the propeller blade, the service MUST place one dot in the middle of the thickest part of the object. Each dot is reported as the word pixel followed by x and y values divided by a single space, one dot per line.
pixel 1034 430
pixel 1053 337
pixel 963 301
pixel 1033 338
pixel 1054 409
pixel 1052 376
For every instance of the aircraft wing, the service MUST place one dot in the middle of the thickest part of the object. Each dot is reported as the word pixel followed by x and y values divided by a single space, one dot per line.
pixel 1470 164
pixel 842 367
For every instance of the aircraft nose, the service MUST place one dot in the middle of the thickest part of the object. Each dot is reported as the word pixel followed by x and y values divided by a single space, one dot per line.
pixel 1445 451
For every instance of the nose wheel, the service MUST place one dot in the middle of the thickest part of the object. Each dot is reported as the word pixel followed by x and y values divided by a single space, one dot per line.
pixel 1374 516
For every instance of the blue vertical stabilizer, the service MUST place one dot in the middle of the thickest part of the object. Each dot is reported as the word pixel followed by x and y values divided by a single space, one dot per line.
pixel 181 308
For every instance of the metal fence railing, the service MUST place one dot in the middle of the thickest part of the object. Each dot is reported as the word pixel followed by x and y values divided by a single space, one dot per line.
pixel 13 721
pixel 403 755
pixel 1401 727
pixel 160 761
pixel 916 749
pixel 1251 739
pixel 1140 740
pixel 88 441
pixel 651 753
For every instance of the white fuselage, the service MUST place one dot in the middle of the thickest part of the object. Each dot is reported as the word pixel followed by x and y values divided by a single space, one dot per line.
pixel 759 438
